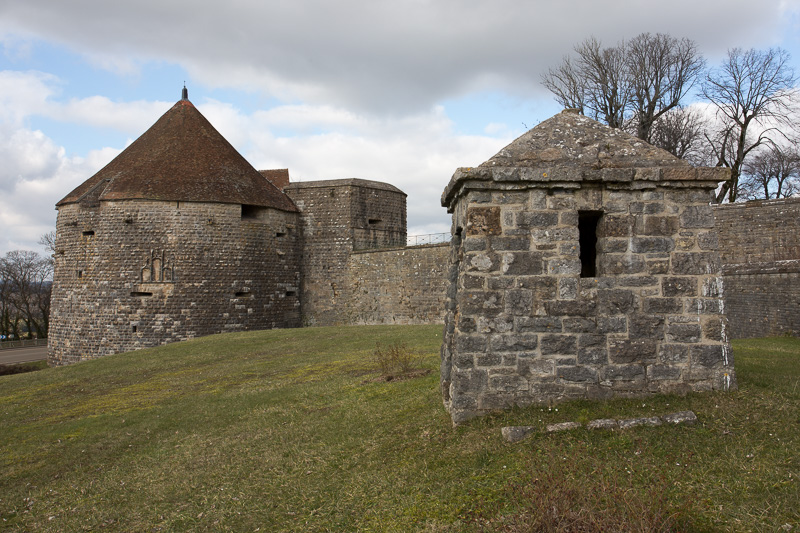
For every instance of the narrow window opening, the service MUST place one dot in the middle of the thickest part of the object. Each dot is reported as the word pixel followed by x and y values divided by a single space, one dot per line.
pixel 239 294
pixel 280 233
pixel 587 230
pixel 79 273
pixel 290 293
pixel 373 221
pixel 89 233
pixel 134 328
pixel 141 293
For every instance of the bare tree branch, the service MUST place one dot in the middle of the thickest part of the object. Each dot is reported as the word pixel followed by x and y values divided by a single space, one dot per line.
pixel 750 88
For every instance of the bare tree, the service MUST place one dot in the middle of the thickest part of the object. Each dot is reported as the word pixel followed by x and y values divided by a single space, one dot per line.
pixel 662 70
pixel 752 90
pixel 633 83
pixel 26 286
pixel 567 85
pixel 680 132
pixel 773 172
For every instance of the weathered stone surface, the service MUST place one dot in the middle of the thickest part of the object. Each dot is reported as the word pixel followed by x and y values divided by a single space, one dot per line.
pixel 516 433
pixel 563 426
pixel 633 314
pixel 634 422
pixel 683 417
pixel 603 423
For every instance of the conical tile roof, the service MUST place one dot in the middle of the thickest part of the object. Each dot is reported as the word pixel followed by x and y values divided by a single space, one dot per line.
pixel 182 157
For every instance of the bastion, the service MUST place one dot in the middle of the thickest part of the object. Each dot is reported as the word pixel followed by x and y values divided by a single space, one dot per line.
pixel 583 264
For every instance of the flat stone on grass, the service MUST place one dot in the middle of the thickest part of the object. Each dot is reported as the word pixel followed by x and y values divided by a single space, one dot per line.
pixel 563 426
pixel 516 433
pixel 603 423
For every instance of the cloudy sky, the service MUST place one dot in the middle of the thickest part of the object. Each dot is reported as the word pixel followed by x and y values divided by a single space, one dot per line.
pixel 397 91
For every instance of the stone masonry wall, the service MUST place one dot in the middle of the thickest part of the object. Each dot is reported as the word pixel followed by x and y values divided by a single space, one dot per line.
pixel 338 216
pixel 523 327
pixel 403 286
pixel 133 274
pixel 760 249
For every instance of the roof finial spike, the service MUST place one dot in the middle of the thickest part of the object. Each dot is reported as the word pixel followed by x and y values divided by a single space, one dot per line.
pixel 185 92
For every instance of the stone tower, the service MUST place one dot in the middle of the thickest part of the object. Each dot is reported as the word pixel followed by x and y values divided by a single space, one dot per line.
pixel 177 237
pixel 337 218
pixel 584 264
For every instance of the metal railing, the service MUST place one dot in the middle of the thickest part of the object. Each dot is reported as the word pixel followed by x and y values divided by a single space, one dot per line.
pixel 430 238
pixel 22 343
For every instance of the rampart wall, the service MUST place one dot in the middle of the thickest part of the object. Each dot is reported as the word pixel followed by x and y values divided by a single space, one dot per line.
pixel 760 250
pixel 400 286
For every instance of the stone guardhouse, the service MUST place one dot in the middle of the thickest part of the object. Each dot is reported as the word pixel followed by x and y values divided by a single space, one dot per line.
pixel 584 264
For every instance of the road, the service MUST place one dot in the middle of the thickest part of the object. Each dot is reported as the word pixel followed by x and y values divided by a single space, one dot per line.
pixel 22 355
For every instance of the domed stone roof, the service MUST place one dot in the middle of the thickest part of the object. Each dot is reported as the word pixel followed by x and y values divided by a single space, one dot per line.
pixel 182 157
pixel 568 149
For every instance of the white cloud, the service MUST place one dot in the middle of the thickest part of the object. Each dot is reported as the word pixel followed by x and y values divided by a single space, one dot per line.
pixel 382 56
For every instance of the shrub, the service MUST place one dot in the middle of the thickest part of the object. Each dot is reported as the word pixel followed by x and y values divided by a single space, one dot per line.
pixel 395 360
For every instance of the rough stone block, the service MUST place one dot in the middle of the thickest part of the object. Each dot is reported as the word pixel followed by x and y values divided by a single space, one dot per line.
pixel 615 302
pixel 684 333
pixel 632 351
pixel 603 423
pixel 579 325
pixel 623 373
pixel 595 355
pixel 515 434
pixel 634 422
pixel 612 246
pixel 562 426
pixel 563 266
pixel 507 383
pixel 616 225
pixel 567 288
pixel 519 302
pixel 571 308
pixel 545 324
pixel 483 221
pixel 662 306
pixel 612 324
pixel 621 264
pixel 516 243
pixel 536 368
pixel 661 225
pixel 521 263
pixel 517 342
pixel 558 344
pixel 663 372
pixel 679 286
pixel 650 245
pixel 682 417
pixel 673 353
pixel 537 219
pixel 470 343
pixel 578 374
pixel 697 216
pixel 645 326
pixel 707 355
pixel 695 263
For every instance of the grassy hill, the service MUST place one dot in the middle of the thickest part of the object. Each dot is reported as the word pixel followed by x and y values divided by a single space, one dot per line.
pixel 296 430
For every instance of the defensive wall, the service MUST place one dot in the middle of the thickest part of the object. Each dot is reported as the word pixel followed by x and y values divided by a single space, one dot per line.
pixel 400 286
pixel 759 245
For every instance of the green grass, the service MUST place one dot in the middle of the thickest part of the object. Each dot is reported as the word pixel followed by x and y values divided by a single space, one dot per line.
pixel 292 430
